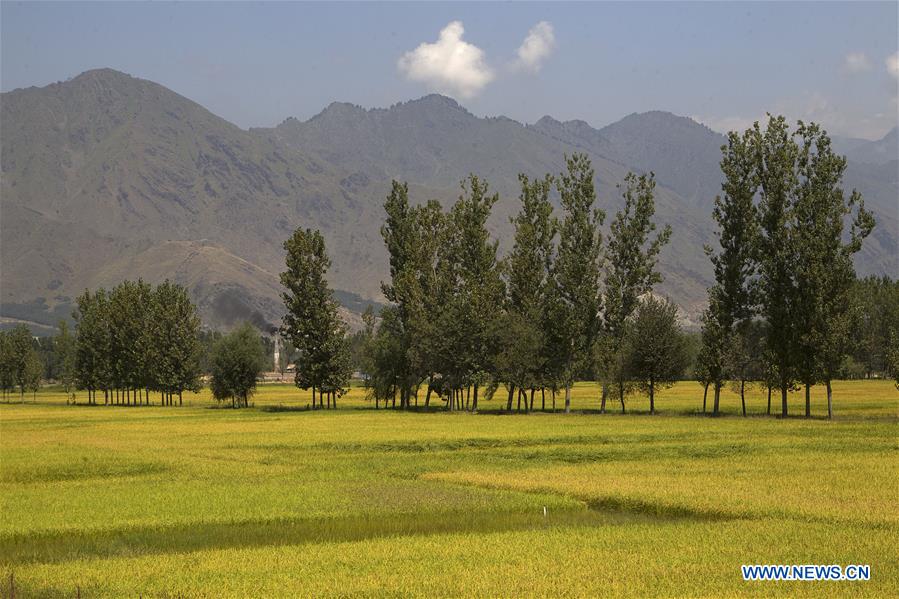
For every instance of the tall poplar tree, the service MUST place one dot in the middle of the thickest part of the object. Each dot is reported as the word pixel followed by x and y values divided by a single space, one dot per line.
pixel 524 352
pixel 479 289
pixel 734 262
pixel 312 322
pixel 576 271
pixel 631 260
pixel 399 233
pixel 775 154
pixel 823 261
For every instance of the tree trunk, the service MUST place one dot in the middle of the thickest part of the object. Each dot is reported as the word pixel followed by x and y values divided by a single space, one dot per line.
pixel 518 405
pixel 743 395
pixel 542 399
pixel 554 401
pixel 783 400
pixel 179 397
pixel 511 393
pixel 467 397
pixel 808 401
pixel 474 401
pixel 621 395
pixel 568 398
pixel 652 399
pixel 313 398
pixel 769 400
pixel 705 394
pixel 531 409
pixel 428 394
pixel 717 398
pixel 605 394
pixel 829 400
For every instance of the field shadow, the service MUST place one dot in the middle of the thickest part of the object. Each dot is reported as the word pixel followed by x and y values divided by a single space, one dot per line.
pixel 53 547
pixel 62 546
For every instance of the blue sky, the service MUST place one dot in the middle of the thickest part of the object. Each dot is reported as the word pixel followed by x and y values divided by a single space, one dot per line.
pixel 255 64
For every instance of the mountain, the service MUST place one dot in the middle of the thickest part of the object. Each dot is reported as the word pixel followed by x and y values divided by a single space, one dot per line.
pixel 107 177
pixel 683 154
pixel 433 143
pixel 881 151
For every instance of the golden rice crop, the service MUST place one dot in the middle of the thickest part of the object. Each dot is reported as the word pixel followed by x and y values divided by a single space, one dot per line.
pixel 203 501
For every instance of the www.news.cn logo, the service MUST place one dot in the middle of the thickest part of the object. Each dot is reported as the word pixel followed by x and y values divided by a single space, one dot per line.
pixel 806 572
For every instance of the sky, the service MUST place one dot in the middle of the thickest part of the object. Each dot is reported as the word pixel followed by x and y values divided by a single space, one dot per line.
pixel 255 64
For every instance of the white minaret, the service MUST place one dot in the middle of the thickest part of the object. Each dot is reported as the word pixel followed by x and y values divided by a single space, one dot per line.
pixel 277 353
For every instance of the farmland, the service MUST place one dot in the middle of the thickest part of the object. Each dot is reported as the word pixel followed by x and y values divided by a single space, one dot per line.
pixel 278 500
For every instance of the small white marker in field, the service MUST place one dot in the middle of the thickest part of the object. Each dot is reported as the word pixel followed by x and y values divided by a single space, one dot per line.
pixel 544 511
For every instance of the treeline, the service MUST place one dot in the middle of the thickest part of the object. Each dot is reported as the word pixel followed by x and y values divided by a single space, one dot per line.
pixel 136 339
pixel 874 322
pixel 564 304
pixel 21 366
pixel 567 303
pixel 781 310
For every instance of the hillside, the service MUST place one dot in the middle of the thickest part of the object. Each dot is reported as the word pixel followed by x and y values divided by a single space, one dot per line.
pixel 107 176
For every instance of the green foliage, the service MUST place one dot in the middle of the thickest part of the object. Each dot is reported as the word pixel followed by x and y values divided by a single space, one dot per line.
pixel 238 359
pixel 576 272
pixel 874 323
pixel 775 158
pixel 20 364
pixel 735 262
pixel 135 339
pixel 823 262
pixel 656 352
pixel 312 323
pixel 632 257
pixel 793 240
pixel 631 260
pixel 64 344
pixel 524 328
pixel 411 235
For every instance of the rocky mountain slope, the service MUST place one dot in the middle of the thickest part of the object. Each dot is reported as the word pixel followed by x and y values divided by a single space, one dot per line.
pixel 106 177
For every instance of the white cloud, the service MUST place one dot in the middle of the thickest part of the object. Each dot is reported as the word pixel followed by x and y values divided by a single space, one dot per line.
pixel 450 65
pixel 537 46
pixel 857 62
pixel 893 64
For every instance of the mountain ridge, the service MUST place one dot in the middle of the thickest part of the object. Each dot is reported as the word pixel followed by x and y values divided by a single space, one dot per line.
pixel 108 176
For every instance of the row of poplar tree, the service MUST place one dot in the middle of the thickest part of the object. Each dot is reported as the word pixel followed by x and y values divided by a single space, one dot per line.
pixel 781 308
pixel 136 339
pixel 566 304
pixel 562 303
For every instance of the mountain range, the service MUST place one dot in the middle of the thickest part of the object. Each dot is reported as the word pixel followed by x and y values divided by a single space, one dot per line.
pixel 107 177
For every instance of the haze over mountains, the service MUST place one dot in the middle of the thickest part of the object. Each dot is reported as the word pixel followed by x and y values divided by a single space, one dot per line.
pixel 107 177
